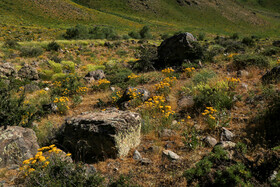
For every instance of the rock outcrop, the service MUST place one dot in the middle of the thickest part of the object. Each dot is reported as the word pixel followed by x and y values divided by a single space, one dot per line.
pixel 16 145
pixel 28 72
pixel 94 75
pixel 96 136
pixel 7 70
pixel 174 50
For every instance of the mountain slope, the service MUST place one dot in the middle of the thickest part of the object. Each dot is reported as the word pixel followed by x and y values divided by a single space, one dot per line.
pixel 212 16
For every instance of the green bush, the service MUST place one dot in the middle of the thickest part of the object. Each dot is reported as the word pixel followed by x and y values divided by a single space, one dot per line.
pixel 46 74
pixel 91 67
pixel 203 76
pixel 269 51
pixel 145 33
pixel 53 46
pixel 147 56
pixel 31 51
pixel 118 75
pixel 68 65
pixel 14 110
pixel 243 61
pixel 57 76
pixel 77 32
pixel 201 36
pixel 59 171
pixel 248 41
pixel 134 35
pixel 235 36
pixel 13 44
pixel 56 67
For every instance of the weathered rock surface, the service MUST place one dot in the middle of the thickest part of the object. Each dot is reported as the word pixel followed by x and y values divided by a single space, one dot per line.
pixel 226 135
pixel 174 50
pixel 28 72
pixel 186 102
pixel 226 144
pixel 170 155
pixel 7 70
pixel 91 137
pixel 95 75
pixel 137 156
pixel 16 145
pixel 272 76
pixel 210 141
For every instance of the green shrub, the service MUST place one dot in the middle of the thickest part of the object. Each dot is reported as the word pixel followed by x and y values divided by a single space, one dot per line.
pixel 57 170
pixel 13 44
pixel 243 61
pixel 134 35
pixel 14 110
pixel 147 55
pixel 201 36
pixel 68 65
pixel 191 138
pixel 248 41
pixel 145 33
pixel 118 75
pixel 203 76
pixel 31 51
pixel 46 74
pixel 53 46
pixel 56 67
pixel 57 76
pixel 235 36
pixel 91 67
pixel 77 32
pixel 269 51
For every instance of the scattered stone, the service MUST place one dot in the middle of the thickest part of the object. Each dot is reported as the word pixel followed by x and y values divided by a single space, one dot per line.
pixel 52 108
pixel 112 88
pixel 137 156
pixel 174 122
pixel 170 155
pixel 7 70
pixel 28 72
pixel 95 75
pixel 99 135
pixel 274 174
pixel 210 141
pixel 185 102
pixel 242 73
pixel 226 135
pixel 244 85
pixel 90 169
pixel 226 144
pixel 146 161
pixel 46 89
pixel 167 133
pixel 16 145
pixel 174 50
pixel 31 87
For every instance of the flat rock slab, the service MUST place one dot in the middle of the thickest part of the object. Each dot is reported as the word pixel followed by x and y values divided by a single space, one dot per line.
pixel 92 137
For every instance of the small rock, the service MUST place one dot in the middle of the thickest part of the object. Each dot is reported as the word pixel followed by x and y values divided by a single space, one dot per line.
pixel 112 88
pixel 170 155
pixel 90 169
pixel 137 156
pixel 274 175
pixel 46 89
pixel 210 141
pixel 244 85
pixel 115 169
pixel 167 133
pixel 186 102
pixel 226 144
pixel 226 135
pixel 146 161
pixel 174 122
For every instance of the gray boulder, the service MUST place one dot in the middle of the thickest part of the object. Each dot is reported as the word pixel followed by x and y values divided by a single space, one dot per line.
pixel 95 75
pixel 28 72
pixel 174 50
pixel 7 70
pixel 226 135
pixel 170 155
pixel 91 137
pixel 16 145
pixel 210 141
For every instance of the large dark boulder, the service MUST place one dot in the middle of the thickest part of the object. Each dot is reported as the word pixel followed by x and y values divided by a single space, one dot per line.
pixel 174 50
pixel 91 137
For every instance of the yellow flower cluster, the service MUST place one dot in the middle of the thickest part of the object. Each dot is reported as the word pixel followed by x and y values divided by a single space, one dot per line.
pixel 189 69
pixel 210 112
pixel 167 71
pixel 233 79
pixel 133 93
pixel 57 83
pixel 156 104
pixel 61 100
pixel 39 160
pixel 133 76
pixel 165 83
pixel 118 95
pixel 232 54
pixel 82 89
pixel 103 81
